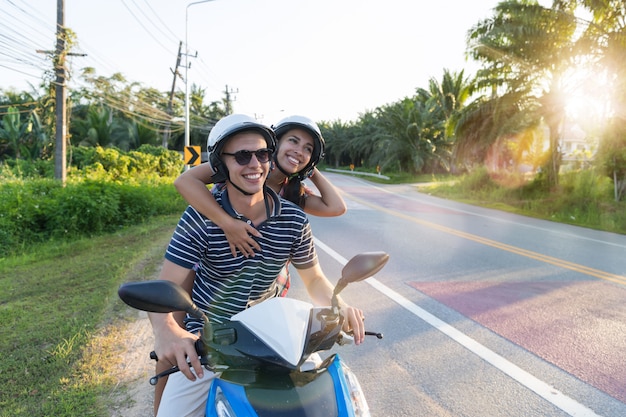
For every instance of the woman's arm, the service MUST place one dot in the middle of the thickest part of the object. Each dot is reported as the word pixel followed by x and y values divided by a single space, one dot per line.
pixel 192 185
pixel 329 203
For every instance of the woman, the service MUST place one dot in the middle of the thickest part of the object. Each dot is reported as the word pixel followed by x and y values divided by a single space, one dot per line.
pixel 300 148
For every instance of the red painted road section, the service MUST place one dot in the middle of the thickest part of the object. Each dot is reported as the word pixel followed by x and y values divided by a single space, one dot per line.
pixel 579 326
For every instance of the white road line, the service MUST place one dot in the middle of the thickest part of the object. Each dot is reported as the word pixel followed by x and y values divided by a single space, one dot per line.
pixel 546 391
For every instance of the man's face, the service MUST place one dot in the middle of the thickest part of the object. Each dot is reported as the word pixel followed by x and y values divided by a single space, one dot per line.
pixel 250 174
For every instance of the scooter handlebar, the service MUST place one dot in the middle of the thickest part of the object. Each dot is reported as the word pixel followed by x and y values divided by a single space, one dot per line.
pixel 348 339
pixel 200 349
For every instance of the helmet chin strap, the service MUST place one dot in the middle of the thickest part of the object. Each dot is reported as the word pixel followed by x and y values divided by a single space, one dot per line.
pixel 238 188
pixel 287 174
pixel 242 191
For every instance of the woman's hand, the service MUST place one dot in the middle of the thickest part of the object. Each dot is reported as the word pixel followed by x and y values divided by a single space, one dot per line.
pixel 240 237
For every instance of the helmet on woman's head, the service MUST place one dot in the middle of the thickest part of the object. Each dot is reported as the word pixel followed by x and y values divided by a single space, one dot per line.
pixel 226 128
pixel 301 122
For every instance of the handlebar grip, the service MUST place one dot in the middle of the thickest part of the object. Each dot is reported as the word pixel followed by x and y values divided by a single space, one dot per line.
pixel 345 338
pixel 200 347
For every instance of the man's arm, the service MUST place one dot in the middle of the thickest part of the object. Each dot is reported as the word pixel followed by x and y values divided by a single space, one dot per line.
pixel 320 290
pixel 172 343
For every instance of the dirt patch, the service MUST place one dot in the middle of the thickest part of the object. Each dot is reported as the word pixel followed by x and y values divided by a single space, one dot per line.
pixel 134 396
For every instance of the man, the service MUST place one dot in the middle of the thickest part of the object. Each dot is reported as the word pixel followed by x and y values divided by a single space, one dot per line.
pixel 240 151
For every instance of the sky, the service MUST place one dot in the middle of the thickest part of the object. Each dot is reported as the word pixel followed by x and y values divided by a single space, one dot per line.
pixel 325 59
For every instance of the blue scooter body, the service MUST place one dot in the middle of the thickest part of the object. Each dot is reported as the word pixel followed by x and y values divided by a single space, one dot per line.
pixel 320 393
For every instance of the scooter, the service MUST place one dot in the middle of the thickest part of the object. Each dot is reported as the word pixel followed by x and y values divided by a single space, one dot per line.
pixel 267 355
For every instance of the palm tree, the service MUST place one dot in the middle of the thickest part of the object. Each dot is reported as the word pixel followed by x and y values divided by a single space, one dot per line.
pixel 12 131
pixel 450 94
pixel 526 50
pixel 368 139
pixel 337 136
pixel 446 98
pixel 96 129
pixel 410 134
pixel 202 117
pixel 18 109
pixel 36 138
pixel 486 120
pixel 607 33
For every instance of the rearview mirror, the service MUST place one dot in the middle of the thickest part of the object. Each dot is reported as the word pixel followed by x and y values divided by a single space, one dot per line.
pixel 360 267
pixel 158 296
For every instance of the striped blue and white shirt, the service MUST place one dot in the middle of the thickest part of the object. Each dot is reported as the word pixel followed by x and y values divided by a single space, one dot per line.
pixel 226 285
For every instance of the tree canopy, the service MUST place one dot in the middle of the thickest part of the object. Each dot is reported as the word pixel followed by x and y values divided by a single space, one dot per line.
pixel 533 60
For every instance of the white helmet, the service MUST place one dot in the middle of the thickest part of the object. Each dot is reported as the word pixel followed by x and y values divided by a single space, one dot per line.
pixel 223 130
pixel 310 126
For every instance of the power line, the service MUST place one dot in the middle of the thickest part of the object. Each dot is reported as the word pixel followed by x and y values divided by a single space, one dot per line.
pixel 18 53
pixel 19 46
pixel 142 25
pixel 160 20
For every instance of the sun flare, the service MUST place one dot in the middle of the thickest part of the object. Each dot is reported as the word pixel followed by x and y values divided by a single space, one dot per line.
pixel 588 101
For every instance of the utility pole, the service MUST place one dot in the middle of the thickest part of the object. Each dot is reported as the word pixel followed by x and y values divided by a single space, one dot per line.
pixel 228 106
pixel 170 111
pixel 58 59
pixel 60 163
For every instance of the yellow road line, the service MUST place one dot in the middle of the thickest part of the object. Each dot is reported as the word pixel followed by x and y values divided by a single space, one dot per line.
pixel 619 279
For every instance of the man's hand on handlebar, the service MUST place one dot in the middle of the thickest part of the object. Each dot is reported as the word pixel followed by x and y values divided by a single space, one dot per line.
pixel 354 323
pixel 176 346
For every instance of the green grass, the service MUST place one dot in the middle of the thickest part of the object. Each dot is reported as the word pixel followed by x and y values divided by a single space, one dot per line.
pixel 53 302
pixel 582 199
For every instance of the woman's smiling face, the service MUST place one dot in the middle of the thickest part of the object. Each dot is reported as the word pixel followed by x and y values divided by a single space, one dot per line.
pixel 295 149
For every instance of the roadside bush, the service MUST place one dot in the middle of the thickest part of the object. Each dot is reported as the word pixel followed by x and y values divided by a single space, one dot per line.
pixel 81 156
pixel 23 206
pixel 139 201
pixel 97 163
pixel 111 164
pixel 586 186
pixel 8 234
pixel 105 189
pixel 39 210
pixel 478 184
pixel 83 208
pixel 25 168
pixel 168 163
pixel 582 197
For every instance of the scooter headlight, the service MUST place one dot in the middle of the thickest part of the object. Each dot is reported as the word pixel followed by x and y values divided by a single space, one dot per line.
pixel 361 409
pixel 222 406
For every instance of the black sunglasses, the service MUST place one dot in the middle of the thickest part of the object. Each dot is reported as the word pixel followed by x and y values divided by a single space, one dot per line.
pixel 244 157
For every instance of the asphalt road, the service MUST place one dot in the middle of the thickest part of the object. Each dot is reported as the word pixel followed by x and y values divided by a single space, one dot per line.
pixel 484 313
